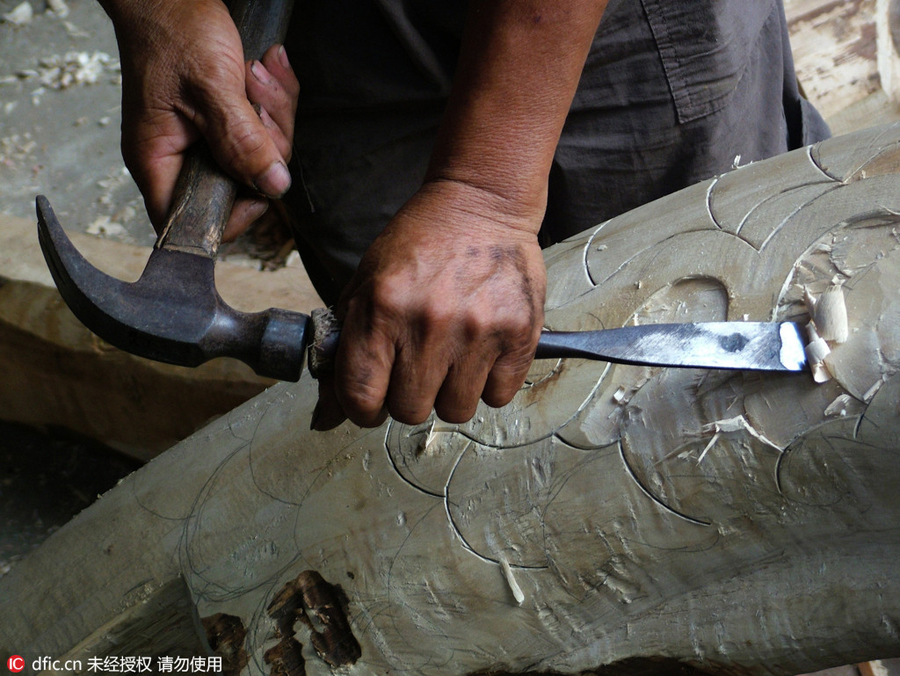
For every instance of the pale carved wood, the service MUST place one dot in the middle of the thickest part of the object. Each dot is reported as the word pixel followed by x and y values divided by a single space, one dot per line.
pixel 611 519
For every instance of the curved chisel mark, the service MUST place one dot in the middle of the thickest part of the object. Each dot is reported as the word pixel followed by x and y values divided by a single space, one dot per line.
pixel 876 151
pixel 587 252
pixel 814 162
pixel 420 489
pixel 709 210
pixel 458 531
pixel 654 498
pixel 793 213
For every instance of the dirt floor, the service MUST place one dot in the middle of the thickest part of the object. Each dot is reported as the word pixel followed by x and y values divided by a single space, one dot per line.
pixel 60 116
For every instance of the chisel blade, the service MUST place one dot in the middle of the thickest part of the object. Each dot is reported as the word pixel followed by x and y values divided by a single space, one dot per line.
pixel 757 346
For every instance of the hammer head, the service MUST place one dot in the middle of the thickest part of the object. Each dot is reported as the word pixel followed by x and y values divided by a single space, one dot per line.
pixel 173 313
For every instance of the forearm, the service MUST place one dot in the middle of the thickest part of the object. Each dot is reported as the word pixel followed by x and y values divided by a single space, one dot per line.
pixel 519 68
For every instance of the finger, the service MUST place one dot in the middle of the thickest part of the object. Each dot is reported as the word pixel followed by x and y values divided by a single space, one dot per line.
pixel 363 367
pixel 242 145
pixel 282 142
pixel 152 146
pixel 245 212
pixel 328 413
pixel 276 62
pixel 507 377
pixel 272 84
pixel 156 181
pixel 277 110
pixel 423 363
pixel 457 400
pixel 415 382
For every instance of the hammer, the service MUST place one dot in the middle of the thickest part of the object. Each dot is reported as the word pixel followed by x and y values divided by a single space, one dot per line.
pixel 173 313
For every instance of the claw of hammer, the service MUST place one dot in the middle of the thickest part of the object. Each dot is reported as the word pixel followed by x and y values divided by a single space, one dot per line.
pixel 173 313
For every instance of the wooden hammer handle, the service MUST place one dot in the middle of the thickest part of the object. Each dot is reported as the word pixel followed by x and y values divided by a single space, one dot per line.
pixel 204 194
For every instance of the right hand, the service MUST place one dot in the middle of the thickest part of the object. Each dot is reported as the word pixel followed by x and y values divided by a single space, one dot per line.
pixel 445 309
pixel 183 79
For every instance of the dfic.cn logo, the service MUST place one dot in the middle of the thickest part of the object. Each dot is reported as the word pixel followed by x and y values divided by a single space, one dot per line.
pixel 15 663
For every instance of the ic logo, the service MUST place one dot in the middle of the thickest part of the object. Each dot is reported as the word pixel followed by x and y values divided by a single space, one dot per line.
pixel 15 663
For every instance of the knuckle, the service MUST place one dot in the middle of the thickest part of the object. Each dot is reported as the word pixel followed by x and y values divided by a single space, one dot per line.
pixel 246 148
pixel 391 300
pixel 437 320
pixel 361 404
pixel 478 326
pixel 519 326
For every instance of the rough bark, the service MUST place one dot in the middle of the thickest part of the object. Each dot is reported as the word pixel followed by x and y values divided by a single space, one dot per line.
pixel 611 520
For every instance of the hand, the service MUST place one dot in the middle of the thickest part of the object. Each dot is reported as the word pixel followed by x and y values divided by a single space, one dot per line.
pixel 184 78
pixel 445 308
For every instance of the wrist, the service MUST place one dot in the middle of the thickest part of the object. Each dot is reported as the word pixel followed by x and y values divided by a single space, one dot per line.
pixel 126 12
pixel 514 194
pixel 491 207
pixel 139 23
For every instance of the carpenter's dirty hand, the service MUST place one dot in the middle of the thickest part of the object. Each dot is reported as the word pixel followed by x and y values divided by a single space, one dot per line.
pixel 183 78
pixel 446 308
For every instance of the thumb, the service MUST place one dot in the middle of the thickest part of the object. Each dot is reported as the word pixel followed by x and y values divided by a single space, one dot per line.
pixel 242 145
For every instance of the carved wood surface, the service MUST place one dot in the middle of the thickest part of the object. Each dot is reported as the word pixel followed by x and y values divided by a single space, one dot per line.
pixel 654 519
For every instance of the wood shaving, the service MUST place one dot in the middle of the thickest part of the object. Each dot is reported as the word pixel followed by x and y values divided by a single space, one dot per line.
pixel 830 315
pixel 21 15
pixel 839 405
pixel 729 426
pixel 59 8
pixel 514 587
pixel 817 348
pixel 105 227
pixel 426 444
pixel 872 391
pixel 16 149
pixel 71 69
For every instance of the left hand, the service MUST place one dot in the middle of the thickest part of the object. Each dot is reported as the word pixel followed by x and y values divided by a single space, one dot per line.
pixel 183 79
pixel 445 309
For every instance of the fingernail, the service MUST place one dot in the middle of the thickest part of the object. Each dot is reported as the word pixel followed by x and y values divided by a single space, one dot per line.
pixel 275 181
pixel 283 57
pixel 265 118
pixel 260 73
pixel 257 208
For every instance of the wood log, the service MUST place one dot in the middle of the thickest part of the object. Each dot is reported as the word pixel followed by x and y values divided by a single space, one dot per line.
pixel 610 520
